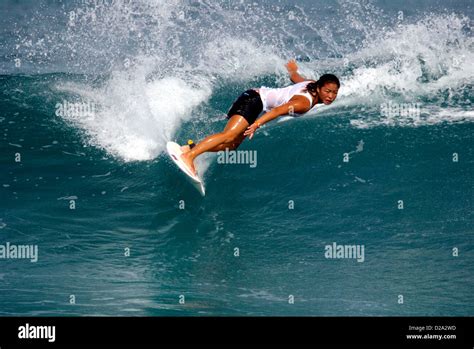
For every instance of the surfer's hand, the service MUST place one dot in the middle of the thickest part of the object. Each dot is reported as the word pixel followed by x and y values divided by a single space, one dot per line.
pixel 291 66
pixel 251 130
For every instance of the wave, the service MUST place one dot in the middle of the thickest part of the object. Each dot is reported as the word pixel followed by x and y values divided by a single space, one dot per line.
pixel 161 65
pixel 135 118
pixel 414 60
pixel 427 63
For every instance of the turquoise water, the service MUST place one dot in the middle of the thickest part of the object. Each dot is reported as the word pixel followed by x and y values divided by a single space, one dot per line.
pixel 119 229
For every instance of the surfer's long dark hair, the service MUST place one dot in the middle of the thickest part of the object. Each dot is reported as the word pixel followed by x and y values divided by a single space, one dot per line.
pixel 324 79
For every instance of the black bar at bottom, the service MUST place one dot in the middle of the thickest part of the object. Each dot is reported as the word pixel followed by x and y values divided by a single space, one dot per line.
pixel 403 332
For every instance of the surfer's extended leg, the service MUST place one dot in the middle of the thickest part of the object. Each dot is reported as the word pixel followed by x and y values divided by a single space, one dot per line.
pixel 231 134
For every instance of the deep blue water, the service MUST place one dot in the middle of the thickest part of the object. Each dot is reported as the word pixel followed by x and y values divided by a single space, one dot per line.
pixel 118 228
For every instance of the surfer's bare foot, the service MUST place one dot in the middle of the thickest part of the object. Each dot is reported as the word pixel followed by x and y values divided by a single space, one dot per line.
pixel 189 163
pixel 185 148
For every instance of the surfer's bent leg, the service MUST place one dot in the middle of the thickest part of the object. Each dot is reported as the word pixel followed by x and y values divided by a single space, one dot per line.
pixel 230 146
pixel 225 146
pixel 232 134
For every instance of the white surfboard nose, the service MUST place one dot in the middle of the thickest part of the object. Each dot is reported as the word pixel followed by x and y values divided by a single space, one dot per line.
pixel 175 152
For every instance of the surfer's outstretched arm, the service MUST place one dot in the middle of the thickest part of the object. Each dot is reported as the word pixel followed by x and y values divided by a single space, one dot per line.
pixel 292 68
pixel 297 104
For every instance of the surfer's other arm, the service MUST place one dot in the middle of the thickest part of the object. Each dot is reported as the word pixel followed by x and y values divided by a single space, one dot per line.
pixel 297 104
pixel 292 68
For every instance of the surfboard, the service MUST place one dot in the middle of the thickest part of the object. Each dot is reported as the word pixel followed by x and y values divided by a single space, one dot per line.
pixel 174 151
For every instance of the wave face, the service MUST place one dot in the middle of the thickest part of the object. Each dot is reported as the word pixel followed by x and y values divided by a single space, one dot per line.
pixel 92 90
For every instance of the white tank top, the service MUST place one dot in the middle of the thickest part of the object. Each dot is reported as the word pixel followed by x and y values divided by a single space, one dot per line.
pixel 274 97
